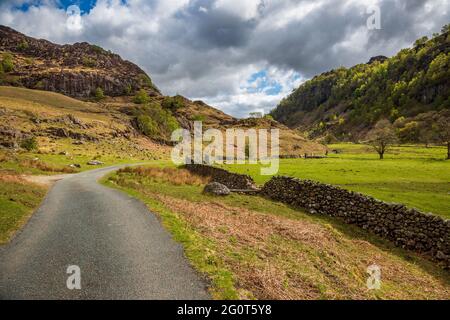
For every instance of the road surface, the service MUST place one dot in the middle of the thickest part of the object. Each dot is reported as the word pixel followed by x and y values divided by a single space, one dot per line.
pixel 121 249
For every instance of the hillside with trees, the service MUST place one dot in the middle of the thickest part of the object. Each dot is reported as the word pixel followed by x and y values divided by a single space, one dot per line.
pixel 411 90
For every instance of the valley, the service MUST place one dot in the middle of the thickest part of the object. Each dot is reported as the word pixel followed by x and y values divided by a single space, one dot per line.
pixel 101 129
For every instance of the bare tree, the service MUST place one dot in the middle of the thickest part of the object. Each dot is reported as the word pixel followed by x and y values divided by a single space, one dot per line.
pixel 381 137
pixel 443 132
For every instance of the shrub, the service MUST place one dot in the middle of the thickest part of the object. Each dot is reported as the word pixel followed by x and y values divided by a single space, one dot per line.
pixel 147 125
pixel 7 63
pixel 173 103
pixel 155 122
pixel 127 90
pixel 89 62
pixel 97 49
pixel 141 97
pixel 23 45
pixel 99 95
pixel 29 144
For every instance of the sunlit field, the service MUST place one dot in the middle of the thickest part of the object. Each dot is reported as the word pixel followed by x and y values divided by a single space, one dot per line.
pixel 413 175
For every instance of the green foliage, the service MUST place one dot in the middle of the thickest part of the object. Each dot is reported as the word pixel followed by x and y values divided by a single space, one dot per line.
pixel 173 103
pixel 89 62
pixel 7 63
pixel 99 95
pixel 145 80
pixel 412 82
pixel 97 49
pixel 198 117
pixel 141 97
pixel 23 46
pixel 155 122
pixel 29 144
pixel 127 90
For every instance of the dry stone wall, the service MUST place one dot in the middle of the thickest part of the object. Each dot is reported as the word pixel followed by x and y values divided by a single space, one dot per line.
pixel 229 179
pixel 407 228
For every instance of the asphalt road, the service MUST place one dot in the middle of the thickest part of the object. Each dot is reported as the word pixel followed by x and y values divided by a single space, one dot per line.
pixel 121 248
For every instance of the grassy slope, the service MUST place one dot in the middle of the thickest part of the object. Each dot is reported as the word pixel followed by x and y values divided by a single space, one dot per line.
pixel 413 175
pixel 18 199
pixel 19 108
pixel 250 247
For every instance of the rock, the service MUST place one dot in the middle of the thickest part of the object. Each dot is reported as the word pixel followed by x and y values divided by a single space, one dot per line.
pixel 75 165
pixel 94 163
pixel 217 189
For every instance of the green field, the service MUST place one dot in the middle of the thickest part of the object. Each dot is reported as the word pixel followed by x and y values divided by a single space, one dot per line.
pixel 413 175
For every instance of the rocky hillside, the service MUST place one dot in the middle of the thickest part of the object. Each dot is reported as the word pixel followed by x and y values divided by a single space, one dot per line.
pixel 75 70
pixel 345 103
pixel 88 72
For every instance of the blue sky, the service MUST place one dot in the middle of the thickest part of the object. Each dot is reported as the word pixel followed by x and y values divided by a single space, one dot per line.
pixel 237 55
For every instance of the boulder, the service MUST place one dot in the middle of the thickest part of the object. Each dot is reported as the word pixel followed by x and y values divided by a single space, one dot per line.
pixel 217 189
pixel 94 163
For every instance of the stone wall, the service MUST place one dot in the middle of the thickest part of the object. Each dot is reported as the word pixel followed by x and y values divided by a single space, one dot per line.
pixel 231 180
pixel 407 228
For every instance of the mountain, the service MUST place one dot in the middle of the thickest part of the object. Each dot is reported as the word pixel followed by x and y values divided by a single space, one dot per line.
pixel 104 84
pixel 345 103
pixel 75 70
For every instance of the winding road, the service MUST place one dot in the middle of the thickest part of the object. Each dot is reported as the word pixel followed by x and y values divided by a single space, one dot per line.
pixel 120 247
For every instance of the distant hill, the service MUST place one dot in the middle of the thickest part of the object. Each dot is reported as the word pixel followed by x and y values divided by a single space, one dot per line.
pixel 344 104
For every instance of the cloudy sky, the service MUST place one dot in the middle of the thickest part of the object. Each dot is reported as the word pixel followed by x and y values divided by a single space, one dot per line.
pixel 237 55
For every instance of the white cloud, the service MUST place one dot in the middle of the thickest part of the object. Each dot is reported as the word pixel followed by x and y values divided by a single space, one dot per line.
pixel 206 49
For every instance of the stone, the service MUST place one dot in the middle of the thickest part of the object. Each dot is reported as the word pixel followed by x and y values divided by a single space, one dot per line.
pixel 217 189
pixel 94 163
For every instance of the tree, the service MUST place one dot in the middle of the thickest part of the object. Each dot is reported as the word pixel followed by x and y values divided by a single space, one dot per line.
pixel 442 128
pixel 99 95
pixel 381 137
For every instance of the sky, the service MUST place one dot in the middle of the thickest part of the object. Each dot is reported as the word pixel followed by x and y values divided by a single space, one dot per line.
pixel 240 56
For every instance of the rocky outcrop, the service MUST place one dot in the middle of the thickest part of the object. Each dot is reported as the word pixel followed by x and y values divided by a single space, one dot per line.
pixel 407 228
pixel 75 70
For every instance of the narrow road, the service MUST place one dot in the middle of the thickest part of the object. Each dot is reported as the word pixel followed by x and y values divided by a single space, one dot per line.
pixel 121 248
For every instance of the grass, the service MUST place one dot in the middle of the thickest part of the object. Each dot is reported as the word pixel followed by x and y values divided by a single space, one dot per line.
pixel 18 199
pixel 253 248
pixel 415 176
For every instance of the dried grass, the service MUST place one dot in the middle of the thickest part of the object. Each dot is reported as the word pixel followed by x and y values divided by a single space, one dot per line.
pixel 282 258
pixel 45 166
pixel 173 175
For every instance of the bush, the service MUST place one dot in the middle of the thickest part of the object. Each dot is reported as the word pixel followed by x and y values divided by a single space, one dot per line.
pixel 155 122
pixel 23 45
pixel 89 62
pixel 98 94
pixel 127 90
pixel 29 144
pixel 7 63
pixel 141 97
pixel 173 103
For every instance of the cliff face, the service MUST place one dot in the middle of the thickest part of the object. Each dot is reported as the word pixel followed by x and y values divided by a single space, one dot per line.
pixel 75 70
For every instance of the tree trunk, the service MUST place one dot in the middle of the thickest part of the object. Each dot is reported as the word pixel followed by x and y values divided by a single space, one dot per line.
pixel 381 155
pixel 448 150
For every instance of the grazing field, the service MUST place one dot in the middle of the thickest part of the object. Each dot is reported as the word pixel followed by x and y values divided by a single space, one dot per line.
pixel 413 175
pixel 249 247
